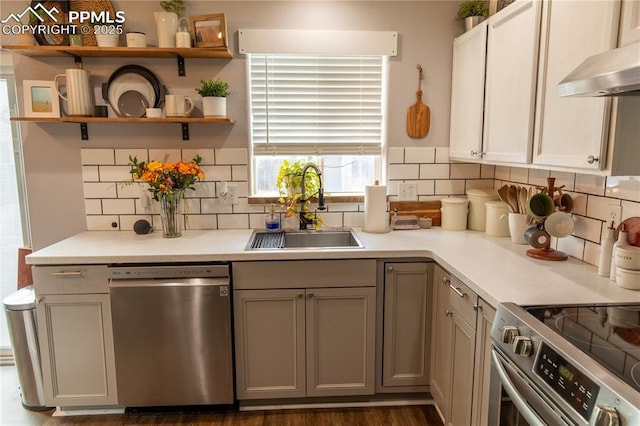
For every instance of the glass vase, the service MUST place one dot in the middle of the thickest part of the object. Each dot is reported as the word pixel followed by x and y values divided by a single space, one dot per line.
pixel 171 214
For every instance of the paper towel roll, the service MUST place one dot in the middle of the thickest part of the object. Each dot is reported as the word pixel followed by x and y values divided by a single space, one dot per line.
pixel 376 219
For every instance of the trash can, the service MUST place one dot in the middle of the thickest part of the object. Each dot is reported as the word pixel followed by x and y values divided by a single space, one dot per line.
pixel 19 308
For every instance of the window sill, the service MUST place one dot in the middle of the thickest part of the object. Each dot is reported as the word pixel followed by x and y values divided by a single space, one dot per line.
pixel 329 199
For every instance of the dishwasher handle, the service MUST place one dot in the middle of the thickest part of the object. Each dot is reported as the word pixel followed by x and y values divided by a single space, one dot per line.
pixel 170 282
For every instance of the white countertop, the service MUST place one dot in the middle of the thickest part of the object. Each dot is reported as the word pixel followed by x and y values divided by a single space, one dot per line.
pixel 496 269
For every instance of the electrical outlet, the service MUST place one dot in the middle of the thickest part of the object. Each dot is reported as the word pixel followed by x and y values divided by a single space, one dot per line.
pixel 230 196
pixel 408 192
pixel 614 214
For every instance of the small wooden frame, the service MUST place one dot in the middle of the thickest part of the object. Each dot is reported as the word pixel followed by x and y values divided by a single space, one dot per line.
pixel 208 30
pixel 40 99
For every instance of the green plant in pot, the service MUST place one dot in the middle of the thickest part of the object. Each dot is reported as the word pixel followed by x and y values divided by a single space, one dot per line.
pixel 214 97
pixel 472 12
pixel 289 184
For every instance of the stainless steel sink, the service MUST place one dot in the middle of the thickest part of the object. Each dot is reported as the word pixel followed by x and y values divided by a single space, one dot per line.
pixel 343 238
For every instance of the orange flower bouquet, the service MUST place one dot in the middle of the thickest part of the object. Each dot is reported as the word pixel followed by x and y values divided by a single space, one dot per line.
pixel 167 182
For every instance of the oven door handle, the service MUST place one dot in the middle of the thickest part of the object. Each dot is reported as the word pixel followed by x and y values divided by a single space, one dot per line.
pixel 526 411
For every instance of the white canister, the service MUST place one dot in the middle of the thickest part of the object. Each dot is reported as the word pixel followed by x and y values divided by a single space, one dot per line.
pixel 454 214
pixel 497 220
pixel 477 210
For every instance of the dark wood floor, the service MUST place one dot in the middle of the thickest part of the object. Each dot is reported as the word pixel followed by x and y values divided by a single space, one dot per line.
pixel 12 413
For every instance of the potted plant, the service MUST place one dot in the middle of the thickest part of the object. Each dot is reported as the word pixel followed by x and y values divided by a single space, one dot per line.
pixel 167 22
pixel 472 12
pixel 289 184
pixel 214 97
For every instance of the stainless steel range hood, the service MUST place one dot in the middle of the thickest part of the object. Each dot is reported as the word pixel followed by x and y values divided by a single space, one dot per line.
pixel 612 73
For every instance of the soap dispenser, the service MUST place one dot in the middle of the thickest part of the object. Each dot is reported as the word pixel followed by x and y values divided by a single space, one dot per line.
pixel 183 37
pixel 272 220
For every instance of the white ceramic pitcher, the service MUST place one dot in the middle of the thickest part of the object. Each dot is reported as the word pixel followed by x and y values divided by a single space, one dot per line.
pixel 79 95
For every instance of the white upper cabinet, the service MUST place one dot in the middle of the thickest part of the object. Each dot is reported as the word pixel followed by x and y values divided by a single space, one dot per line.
pixel 629 22
pixel 572 132
pixel 467 94
pixel 512 59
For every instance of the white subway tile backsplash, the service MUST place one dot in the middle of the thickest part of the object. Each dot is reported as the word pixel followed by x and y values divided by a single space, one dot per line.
pixel 450 187
pixel 114 173
pixel 97 156
pixel 108 200
pixel 122 155
pixel 465 171
pixel 165 155
pixel 590 184
pixel 442 154
pixel 420 155
pixel 99 190
pixel 233 221
pixel 90 174
pixel 403 171
pixel 624 187
pixel 231 156
pixel 599 207
pixel 434 171
pixel 395 155
pixel 118 206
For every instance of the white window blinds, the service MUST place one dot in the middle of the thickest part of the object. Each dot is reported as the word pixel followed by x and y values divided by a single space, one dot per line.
pixel 316 104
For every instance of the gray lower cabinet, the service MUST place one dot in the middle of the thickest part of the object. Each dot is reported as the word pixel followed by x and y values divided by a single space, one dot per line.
pixel 406 342
pixel 454 348
pixel 317 340
pixel 482 369
pixel 75 336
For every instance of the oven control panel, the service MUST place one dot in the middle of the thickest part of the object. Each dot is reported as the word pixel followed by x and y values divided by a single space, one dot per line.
pixel 568 381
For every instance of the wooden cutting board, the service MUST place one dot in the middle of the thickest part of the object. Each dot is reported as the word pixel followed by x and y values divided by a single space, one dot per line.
pixel 417 208
pixel 418 114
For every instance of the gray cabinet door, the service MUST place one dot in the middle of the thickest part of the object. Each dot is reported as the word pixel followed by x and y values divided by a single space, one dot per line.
pixel 340 341
pixel 76 344
pixel 442 343
pixel 407 318
pixel 482 369
pixel 463 350
pixel 270 343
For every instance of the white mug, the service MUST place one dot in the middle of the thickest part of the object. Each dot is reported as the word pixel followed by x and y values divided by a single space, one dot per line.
pixel 178 105
pixel 154 113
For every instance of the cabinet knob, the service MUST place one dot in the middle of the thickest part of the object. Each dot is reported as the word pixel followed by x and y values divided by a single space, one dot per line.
pixel 477 307
pixel 390 268
pixel 473 153
pixel 445 280
pixel 448 313
pixel 591 159
pixel 300 295
pixel 310 296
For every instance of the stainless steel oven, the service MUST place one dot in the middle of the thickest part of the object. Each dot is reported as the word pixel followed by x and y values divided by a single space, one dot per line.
pixel 572 365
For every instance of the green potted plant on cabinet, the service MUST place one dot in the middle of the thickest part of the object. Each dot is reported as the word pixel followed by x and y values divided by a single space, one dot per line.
pixel 214 97
pixel 472 12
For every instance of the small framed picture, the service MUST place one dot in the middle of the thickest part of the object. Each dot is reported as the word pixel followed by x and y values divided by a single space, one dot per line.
pixel 41 99
pixel 209 30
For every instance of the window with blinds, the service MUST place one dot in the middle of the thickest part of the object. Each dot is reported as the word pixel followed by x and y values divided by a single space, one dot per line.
pixel 330 108
pixel 303 104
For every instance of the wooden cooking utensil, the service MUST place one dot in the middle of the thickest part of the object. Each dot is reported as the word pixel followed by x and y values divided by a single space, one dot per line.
pixel 418 114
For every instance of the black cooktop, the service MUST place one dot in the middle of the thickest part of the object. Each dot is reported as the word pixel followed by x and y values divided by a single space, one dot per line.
pixel 608 333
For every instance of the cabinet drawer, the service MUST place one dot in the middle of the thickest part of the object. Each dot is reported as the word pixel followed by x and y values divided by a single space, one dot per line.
pixel 304 274
pixel 463 299
pixel 70 279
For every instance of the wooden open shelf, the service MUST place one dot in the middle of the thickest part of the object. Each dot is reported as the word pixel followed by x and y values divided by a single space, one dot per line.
pixel 121 52
pixel 83 121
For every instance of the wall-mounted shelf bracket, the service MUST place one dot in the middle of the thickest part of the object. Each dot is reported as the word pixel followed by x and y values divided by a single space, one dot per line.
pixel 181 68
pixel 185 131
pixel 77 59
pixel 84 131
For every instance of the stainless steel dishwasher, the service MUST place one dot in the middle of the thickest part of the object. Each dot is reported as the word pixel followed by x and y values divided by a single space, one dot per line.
pixel 172 334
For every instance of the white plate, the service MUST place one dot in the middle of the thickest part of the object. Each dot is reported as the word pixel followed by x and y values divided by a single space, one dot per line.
pixel 127 82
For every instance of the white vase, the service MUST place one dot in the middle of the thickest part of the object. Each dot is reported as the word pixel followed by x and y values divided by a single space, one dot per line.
pixel 471 21
pixel 26 39
pixel 213 106
pixel 166 27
